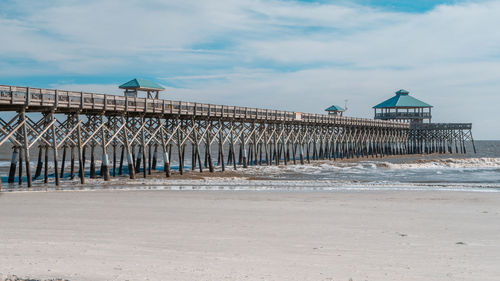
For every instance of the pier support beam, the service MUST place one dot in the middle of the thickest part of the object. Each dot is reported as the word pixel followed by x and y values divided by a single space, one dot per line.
pixel 26 149
pixel 54 147
pixel 105 159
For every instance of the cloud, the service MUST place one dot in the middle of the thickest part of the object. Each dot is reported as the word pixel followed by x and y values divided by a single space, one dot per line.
pixel 282 54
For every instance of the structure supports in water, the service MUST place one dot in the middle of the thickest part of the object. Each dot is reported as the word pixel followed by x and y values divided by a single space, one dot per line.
pixel 235 141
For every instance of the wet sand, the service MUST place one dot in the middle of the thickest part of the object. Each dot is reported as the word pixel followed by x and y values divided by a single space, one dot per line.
pixel 224 235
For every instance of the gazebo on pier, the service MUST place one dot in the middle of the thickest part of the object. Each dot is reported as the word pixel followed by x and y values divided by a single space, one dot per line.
pixel 335 110
pixel 133 86
pixel 403 107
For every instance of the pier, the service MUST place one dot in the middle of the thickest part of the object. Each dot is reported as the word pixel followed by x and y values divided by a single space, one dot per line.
pixel 132 135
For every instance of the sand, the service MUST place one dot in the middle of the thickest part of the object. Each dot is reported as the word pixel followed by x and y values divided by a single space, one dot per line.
pixel 224 235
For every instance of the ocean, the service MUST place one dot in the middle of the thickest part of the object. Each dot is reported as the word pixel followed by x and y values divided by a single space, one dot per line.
pixel 478 172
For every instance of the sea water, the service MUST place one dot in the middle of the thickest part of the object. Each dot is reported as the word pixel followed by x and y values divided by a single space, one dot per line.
pixel 467 172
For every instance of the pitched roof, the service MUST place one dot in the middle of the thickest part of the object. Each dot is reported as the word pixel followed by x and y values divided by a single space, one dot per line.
pixel 141 84
pixel 402 99
pixel 335 108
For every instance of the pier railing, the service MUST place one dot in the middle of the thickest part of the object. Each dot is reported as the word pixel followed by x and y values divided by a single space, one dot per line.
pixel 36 99
pixel 441 126
pixel 402 115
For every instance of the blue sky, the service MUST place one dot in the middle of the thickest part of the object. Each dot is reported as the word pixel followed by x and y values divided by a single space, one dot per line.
pixel 293 55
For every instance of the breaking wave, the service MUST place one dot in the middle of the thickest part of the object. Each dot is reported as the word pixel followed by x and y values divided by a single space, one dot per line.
pixel 448 163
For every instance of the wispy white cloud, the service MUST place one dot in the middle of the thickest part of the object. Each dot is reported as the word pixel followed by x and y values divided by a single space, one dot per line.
pixel 281 54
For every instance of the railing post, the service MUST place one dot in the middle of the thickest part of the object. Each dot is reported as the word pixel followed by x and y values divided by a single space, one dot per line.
pixel 11 96
pixel 28 99
pixel 56 99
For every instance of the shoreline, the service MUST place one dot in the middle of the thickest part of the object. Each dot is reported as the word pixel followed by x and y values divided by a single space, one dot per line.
pixel 272 176
pixel 252 185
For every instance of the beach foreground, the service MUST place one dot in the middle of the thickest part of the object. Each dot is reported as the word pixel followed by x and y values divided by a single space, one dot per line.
pixel 224 235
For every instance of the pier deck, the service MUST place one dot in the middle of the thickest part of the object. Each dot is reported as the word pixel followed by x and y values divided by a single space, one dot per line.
pixel 40 100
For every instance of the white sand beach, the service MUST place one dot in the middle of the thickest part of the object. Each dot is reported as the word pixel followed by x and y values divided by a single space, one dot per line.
pixel 224 235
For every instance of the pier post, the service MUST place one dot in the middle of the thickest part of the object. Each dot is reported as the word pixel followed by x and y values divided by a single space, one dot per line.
pixel 233 153
pixel 130 160
pixel 138 160
pixel 104 158
pixel 13 165
pixel 208 147
pixel 180 146
pixel 150 160
pixel 72 164
pixel 39 163
pixel 472 140
pixel 155 156
pixel 284 145
pixel 266 145
pixel 196 147
pixel 221 145
pixel 301 153
pixel 26 148
pixel 54 147
pixel 63 162
pixel 143 145
pixel 275 144
pixel 92 160
pixel 243 151
pixel 114 159
pixel 81 158
pixel 20 175
pixel 166 160
pixel 122 154
pixel 46 165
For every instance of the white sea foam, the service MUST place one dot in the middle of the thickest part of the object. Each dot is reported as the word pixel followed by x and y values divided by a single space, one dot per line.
pixel 453 163
pixel 363 166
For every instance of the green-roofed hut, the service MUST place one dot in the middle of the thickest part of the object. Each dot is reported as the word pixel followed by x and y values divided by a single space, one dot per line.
pixel 335 110
pixel 403 107
pixel 133 86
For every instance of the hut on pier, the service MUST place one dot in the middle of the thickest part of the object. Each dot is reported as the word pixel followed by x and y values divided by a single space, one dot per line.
pixel 405 108
pixel 335 110
pixel 136 85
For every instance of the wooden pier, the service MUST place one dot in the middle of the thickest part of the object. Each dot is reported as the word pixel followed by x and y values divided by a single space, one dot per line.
pixel 61 126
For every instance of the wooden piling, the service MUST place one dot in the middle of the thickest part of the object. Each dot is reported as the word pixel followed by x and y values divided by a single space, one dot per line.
pixel 72 164
pixel 13 165
pixel 46 165
pixel 221 146
pixel 92 161
pixel 114 159
pixel 104 157
pixel 54 148
pixel 63 161
pixel 120 167
pixel 128 150
pixel 80 150
pixel 39 162
pixel 20 174
pixel 155 157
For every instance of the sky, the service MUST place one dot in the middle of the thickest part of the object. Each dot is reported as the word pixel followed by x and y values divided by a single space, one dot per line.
pixel 290 55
